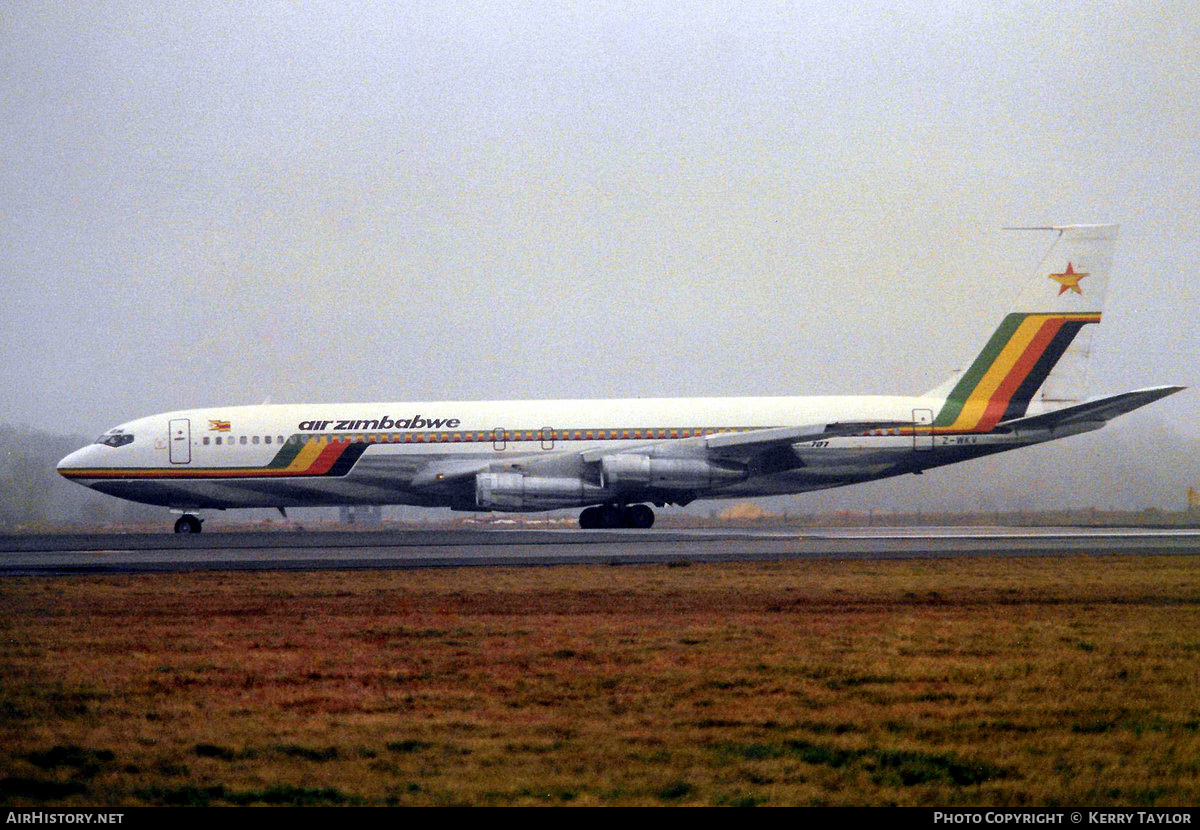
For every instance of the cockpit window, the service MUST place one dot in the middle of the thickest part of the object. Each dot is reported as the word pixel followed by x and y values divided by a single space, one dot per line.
pixel 118 440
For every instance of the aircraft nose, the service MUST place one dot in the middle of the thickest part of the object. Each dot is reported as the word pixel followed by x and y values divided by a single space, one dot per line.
pixel 75 461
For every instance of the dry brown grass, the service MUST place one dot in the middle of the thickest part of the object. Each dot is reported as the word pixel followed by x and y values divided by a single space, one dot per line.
pixel 955 682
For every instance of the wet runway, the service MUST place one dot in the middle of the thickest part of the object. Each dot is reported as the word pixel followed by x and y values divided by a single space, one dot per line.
pixel 24 555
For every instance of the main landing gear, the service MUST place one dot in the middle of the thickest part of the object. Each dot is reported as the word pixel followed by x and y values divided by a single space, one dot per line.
pixel 609 515
pixel 187 523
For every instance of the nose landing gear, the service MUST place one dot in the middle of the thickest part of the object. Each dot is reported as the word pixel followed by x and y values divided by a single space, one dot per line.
pixel 609 515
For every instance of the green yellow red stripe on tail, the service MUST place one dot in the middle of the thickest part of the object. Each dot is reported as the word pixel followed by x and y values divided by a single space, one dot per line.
pixel 1011 368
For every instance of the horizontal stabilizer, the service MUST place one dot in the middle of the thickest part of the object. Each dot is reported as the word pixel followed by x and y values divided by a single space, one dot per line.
pixel 1099 410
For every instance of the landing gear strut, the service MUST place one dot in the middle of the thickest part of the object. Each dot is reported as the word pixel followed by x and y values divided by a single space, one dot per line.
pixel 609 515
pixel 187 523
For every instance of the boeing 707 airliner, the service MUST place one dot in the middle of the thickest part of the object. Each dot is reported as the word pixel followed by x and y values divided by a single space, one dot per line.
pixel 616 458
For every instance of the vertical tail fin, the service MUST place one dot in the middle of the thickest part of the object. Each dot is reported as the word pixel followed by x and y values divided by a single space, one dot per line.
pixel 1042 344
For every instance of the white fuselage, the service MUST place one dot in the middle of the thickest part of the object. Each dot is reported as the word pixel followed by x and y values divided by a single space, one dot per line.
pixel 428 453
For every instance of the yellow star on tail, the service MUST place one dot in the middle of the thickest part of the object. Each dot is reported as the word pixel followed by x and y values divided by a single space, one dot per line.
pixel 1069 280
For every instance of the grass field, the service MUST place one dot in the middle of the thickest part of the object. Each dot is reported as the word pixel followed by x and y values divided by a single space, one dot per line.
pixel 973 682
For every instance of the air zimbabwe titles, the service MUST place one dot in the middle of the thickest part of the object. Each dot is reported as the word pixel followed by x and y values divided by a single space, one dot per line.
pixel 415 422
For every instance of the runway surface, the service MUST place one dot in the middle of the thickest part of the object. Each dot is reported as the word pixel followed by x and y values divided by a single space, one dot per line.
pixel 25 555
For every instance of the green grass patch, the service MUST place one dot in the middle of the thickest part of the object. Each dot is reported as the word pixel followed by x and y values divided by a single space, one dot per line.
pixel 214 751
pixel 740 800
pixel 37 789
pixel 541 795
pixel 85 763
pixel 329 753
pixel 853 681
pixel 676 791
pixel 883 766
pixel 191 796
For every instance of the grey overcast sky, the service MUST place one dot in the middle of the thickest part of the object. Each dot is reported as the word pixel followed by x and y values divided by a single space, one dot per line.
pixel 211 203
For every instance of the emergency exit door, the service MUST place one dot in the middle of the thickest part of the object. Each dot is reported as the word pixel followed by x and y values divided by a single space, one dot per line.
pixel 180 441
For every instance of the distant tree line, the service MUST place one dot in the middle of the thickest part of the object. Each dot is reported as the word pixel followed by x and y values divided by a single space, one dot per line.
pixel 34 496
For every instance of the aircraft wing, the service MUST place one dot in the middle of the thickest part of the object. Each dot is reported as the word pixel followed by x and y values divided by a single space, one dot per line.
pixel 760 449
pixel 1095 411
pixel 765 451
pixel 738 445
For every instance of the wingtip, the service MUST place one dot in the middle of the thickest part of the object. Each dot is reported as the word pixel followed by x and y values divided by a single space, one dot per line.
pixel 1156 393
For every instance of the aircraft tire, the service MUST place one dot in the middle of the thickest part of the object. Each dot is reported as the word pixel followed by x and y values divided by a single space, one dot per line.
pixel 187 524
pixel 639 516
pixel 589 519
pixel 609 516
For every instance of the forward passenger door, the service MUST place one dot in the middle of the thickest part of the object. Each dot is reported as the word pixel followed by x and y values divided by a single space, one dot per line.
pixel 180 439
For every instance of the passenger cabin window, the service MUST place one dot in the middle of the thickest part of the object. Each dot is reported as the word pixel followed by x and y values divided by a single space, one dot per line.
pixel 255 441
pixel 115 440
pixel 241 439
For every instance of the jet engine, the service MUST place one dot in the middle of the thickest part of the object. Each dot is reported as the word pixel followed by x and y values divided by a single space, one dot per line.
pixel 517 491
pixel 631 470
